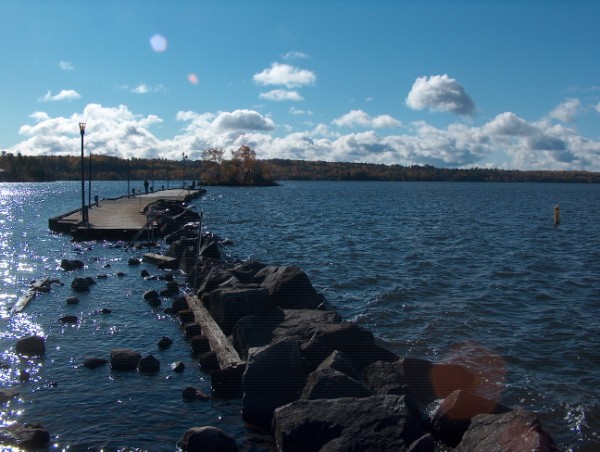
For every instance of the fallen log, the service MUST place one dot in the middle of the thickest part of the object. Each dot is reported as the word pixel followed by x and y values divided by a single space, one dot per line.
pixel 36 286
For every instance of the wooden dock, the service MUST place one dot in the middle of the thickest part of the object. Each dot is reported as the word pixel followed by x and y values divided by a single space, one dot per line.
pixel 117 219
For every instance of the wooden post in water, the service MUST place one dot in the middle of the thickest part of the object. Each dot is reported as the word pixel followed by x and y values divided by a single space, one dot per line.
pixel 556 215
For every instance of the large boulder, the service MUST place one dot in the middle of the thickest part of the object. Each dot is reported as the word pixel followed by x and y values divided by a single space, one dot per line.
pixel 31 346
pixel 71 264
pixel 253 331
pixel 227 306
pixel 124 359
pixel 329 383
pixel 453 416
pixel 289 287
pixel 273 377
pixel 148 364
pixel 381 423
pixel 31 436
pixel 385 378
pixel 82 284
pixel 207 439
pixel 339 361
pixel 515 430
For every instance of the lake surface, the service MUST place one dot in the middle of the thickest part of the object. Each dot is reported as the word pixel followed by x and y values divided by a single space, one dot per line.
pixel 474 273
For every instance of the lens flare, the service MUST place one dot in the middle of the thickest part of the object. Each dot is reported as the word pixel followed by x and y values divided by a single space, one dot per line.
pixel 158 43
pixel 193 78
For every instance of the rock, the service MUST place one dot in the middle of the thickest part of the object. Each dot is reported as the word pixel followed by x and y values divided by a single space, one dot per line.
pixel 165 342
pixel 31 436
pixel 246 271
pixel 134 261
pixel 102 276
pixel 69 319
pixel 178 366
pixel 149 294
pixel 213 279
pixel 289 287
pixel 72 300
pixel 148 364
pixel 385 378
pixel 273 377
pixel 24 376
pixel 124 359
pixel 93 363
pixel 209 361
pixel 515 430
pixel 300 324
pixel 424 444
pixel 120 274
pixel 82 284
pixel 227 306
pixel 191 393
pixel 200 344
pixel 7 393
pixel 381 423
pixel 340 362
pixel 252 331
pixel 179 304
pixel 329 383
pixel 452 418
pixel 31 346
pixel 105 311
pixel 227 383
pixel 154 302
pixel 207 439
pixel 144 274
pixel 71 264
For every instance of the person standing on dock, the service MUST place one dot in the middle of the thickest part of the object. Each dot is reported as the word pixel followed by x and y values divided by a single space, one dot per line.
pixel 146 183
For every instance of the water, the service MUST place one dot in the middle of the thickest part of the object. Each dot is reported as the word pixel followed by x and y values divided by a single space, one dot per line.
pixel 469 273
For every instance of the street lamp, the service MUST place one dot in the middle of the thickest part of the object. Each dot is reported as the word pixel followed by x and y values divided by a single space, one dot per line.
pixel 84 218
pixel 184 158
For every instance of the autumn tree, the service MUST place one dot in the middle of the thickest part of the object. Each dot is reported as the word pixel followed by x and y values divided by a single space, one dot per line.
pixel 213 158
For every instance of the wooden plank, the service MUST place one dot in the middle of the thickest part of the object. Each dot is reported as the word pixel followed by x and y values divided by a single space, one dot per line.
pixel 160 259
pixel 38 286
pixel 227 355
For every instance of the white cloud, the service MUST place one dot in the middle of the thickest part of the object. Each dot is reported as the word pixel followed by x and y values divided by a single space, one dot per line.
pixel 598 107
pixel 566 111
pixel 440 93
pixel 286 75
pixel 66 65
pixel 360 118
pixel 506 141
pixel 243 120
pixel 65 94
pixel 281 95
pixel 296 111
pixel 295 55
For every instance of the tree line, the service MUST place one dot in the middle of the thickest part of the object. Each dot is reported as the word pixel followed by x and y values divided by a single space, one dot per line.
pixel 243 168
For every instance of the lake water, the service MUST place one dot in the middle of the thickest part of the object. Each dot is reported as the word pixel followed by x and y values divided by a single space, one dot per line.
pixel 455 272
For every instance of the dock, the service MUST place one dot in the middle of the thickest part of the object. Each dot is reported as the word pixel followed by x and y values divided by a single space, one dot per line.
pixel 117 219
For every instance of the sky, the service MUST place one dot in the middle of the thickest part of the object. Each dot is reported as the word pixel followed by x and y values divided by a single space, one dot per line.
pixel 453 84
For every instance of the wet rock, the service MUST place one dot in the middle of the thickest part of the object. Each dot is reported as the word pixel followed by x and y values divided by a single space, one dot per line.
pixel 105 311
pixel 93 363
pixel 340 362
pixel 179 304
pixel 24 376
pixel 148 364
pixel 81 284
pixel 165 342
pixel 124 359
pixel 200 344
pixel 149 294
pixel 252 331
pixel 121 274
pixel 453 417
pixel 382 423
pixel 515 430
pixel 178 366
pixel 273 377
pixel 134 261
pixel 72 300
pixel 71 264
pixel 31 436
pixel 70 319
pixel 144 274
pixel 207 439
pixel 31 346
pixel 190 393
pixel 102 276
pixel 7 393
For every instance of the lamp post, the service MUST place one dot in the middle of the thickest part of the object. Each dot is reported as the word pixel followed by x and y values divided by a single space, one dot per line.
pixel 90 182
pixel 184 158
pixel 83 211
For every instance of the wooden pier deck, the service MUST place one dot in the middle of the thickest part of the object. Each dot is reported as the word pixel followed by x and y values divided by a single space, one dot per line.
pixel 117 219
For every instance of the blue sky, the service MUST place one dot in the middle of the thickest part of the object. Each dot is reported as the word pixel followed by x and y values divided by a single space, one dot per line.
pixel 508 84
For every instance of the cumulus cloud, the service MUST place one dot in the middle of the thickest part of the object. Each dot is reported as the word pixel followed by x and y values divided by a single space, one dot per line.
pixel 566 111
pixel 65 94
pixel 509 139
pixel 286 75
pixel 66 65
pixel 281 95
pixel 360 118
pixel 440 93
pixel 296 111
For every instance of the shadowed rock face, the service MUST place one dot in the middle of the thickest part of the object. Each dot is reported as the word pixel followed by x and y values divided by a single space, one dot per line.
pixel 124 359
pixel 207 439
pixel 386 423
